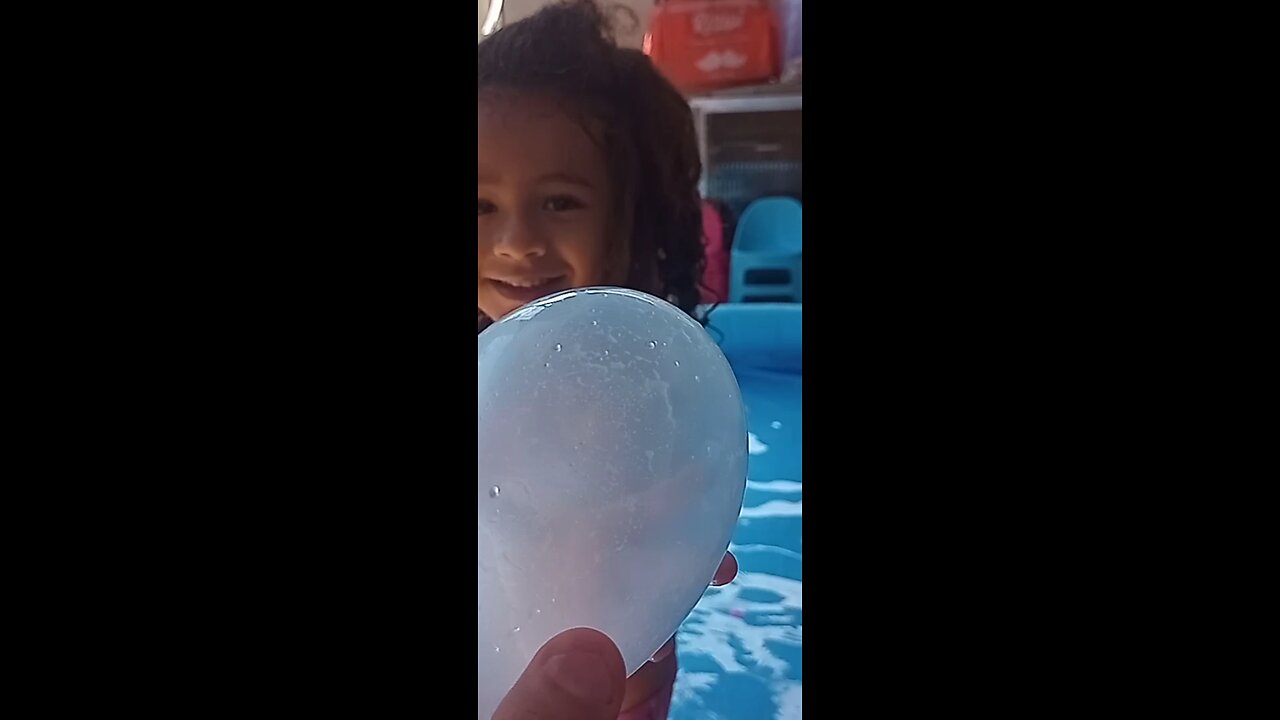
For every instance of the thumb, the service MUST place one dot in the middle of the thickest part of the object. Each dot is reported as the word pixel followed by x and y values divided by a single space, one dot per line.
pixel 577 675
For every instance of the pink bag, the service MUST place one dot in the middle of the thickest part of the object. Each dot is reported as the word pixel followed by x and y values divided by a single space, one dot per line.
pixel 715 279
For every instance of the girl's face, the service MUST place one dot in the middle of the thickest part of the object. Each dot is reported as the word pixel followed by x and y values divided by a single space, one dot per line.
pixel 546 204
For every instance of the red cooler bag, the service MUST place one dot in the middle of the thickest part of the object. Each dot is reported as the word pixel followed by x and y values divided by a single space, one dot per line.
pixel 703 45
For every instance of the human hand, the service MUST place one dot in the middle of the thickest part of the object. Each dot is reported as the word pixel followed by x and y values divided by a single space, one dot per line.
pixel 580 675
pixel 577 675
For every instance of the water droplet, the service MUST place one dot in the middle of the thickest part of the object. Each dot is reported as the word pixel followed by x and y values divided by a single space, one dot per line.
pixel 775 425
pixel 677 363
pixel 516 630
pixel 553 600
pixel 495 491
pixel 537 611
pixel 606 352
pixel 652 344
pixel 697 379
pixel 557 347
pixel 546 364
pixel 595 322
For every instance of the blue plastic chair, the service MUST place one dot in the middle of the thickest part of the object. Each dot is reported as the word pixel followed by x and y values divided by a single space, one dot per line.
pixel 765 262
pixel 761 336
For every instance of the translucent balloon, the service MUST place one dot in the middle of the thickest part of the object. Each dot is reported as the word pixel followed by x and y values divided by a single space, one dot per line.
pixel 612 465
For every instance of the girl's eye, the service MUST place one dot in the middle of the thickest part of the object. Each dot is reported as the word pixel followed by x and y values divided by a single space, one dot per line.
pixel 561 203
pixel 485 207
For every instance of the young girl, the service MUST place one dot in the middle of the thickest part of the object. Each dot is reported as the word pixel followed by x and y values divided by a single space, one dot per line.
pixel 587 175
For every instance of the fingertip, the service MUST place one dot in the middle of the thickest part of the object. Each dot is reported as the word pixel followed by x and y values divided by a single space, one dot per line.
pixel 727 571
pixel 579 673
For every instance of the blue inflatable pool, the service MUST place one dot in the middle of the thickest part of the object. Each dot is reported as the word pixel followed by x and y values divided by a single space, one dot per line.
pixel 739 650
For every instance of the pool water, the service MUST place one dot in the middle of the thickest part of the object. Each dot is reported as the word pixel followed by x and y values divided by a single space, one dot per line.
pixel 740 648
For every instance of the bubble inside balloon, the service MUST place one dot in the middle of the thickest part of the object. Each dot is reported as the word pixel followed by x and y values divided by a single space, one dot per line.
pixel 612 464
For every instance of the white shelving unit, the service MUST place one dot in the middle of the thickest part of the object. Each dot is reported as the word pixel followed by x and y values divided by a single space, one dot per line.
pixel 749 126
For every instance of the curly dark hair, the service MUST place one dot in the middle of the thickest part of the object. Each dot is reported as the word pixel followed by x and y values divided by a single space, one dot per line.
pixel 567 51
